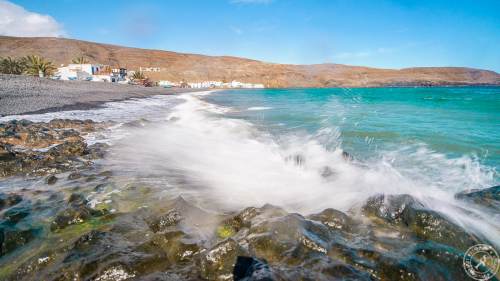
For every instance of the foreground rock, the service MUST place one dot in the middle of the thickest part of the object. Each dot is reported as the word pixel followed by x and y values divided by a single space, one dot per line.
pixel 29 148
pixel 488 197
pixel 396 238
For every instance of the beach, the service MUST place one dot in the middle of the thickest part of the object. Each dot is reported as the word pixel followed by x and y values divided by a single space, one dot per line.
pixel 125 183
pixel 21 94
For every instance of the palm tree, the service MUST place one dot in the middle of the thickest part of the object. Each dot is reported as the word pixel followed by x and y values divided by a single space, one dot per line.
pixel 138 75
pixel 9 65
pixel 80 60
pixel 38 66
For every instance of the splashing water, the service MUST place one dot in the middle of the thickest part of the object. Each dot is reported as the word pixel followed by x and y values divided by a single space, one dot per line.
pixel 231 163
pixel 233 149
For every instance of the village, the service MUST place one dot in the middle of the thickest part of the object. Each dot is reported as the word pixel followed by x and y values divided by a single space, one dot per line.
pixel 105 73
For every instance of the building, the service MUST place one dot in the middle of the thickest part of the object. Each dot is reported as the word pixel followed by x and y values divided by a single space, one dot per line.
pixel 91 72
pixel 167 84
pixel 149 69
pixel 78 71
pixel 120 73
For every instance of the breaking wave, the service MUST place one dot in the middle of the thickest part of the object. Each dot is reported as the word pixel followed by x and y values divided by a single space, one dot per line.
pixel 229 164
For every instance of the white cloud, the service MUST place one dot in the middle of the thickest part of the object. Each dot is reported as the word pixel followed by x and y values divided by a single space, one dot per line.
pixel 17 21
pixel 250 1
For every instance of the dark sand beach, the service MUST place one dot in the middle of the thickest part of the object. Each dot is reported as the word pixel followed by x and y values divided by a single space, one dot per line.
pixel 25 94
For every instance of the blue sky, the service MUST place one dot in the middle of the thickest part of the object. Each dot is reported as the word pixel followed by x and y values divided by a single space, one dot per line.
pixel 378 33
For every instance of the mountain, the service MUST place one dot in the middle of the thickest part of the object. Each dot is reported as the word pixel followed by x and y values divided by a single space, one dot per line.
pixel 192 67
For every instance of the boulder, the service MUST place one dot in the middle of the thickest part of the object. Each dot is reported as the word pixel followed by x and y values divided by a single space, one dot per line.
pixel 217 263
pixel 410 215
pixel 488 197
pixel 9 199
pixel 76 212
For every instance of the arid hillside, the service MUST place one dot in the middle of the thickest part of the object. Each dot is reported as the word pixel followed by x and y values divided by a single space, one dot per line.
pixel 191 67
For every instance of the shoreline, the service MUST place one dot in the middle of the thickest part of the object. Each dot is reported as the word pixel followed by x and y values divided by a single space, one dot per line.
pixel 25 95
pixel 32 95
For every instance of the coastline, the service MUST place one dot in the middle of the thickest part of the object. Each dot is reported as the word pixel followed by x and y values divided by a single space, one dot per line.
pixel 141 188
pixel 33 95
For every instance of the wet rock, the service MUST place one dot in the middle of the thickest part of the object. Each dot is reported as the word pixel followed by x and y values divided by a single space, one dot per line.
pixel 392 209
pixel 163 222
pixel 9 199
pixel 106 174
pixel 231 226
pixel 137 123
pixel 177 246
pixel 251 269
pixel 406 212
pixel 77 212
pixel 42 148
pixel 15 214
pixel 287 239
pixel 96 151
pixel 6 153
pixel 347 156
pixel 432 261
pixel 69 148
pixel 51 180
pixel 218 262
pixel 488 197
pixel 115 273
pixel 12 238
pixel 74 176
pixel 333 219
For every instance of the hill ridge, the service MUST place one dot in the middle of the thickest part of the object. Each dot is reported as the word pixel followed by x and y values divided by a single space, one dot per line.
pixel 198 67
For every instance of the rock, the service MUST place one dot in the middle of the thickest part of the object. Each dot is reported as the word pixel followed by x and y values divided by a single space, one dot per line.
pixel 406 212
pixel 12 238
pixel 74 176
pixel 6 153
pixel 77 212
pixel 42 148
pixel 177 246
pixel 251 269
pixel 333 219
pixel 433 261
pixel 96 151
pixel 51 180
pixel 218 262
pixel 390 208
pixel 163 222
pixel 347 156
pixel 488 197
pixel 287 239
pixel 9 199
pixel 69 148
pixel 15 214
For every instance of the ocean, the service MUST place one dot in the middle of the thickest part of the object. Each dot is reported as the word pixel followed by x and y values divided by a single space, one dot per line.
pixel 304 151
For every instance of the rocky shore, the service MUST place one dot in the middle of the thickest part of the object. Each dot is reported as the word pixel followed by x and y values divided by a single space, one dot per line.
pixel 22 94
pixel 71 222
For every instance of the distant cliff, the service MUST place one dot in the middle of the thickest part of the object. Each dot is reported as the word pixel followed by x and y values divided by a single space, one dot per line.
pixel 192 67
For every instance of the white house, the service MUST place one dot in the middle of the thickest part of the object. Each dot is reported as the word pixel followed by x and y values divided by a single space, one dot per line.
pixel 78 71
pixel 91 72
pixel 167 84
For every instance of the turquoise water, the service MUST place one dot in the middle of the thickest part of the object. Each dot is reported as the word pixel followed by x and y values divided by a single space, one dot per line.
pixel 454 123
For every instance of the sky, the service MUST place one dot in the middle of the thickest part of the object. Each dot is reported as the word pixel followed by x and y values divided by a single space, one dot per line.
pixel 377 33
